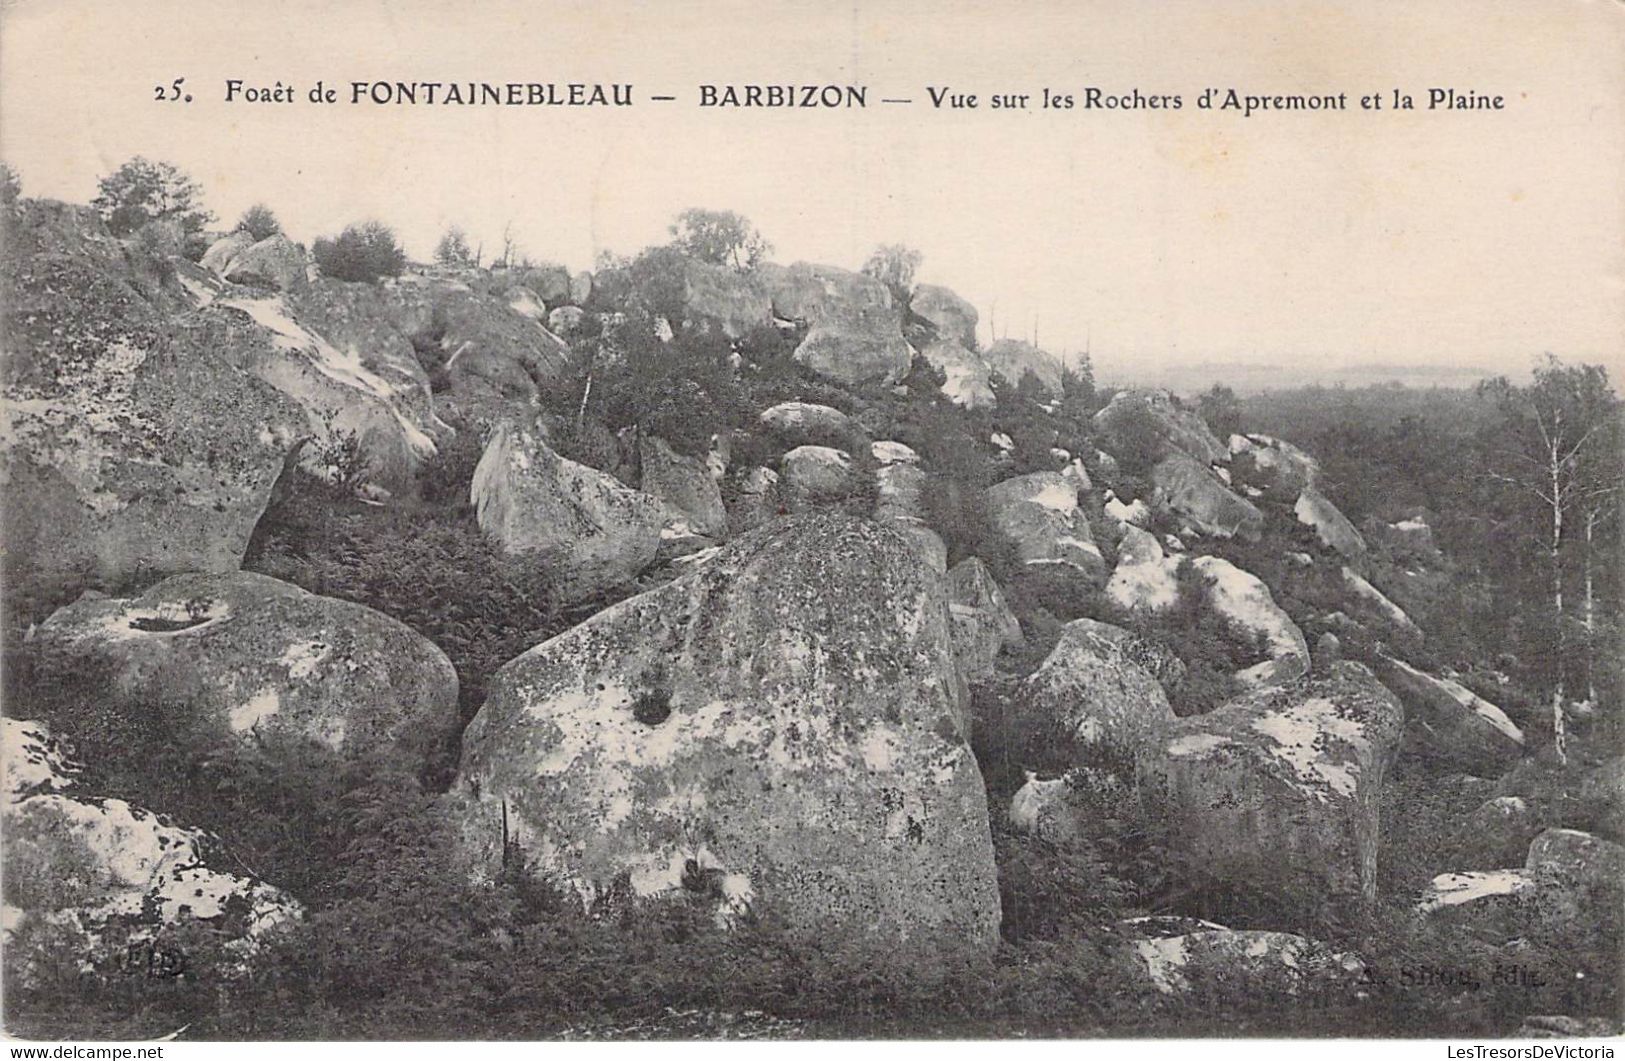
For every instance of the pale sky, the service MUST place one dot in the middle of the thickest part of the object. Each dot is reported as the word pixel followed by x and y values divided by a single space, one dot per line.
pixel 1157 237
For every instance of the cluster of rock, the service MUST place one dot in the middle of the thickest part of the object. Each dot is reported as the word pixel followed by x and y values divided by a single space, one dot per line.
pixel 93 883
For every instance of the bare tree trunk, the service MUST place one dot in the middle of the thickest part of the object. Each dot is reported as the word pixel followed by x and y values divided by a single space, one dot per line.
pixel 1560 737
pixel 1590 614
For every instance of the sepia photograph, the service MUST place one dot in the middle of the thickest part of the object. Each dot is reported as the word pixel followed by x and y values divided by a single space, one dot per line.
pixel 561 521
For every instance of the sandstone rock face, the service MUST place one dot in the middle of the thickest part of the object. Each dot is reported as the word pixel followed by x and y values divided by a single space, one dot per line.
pixel 854 335
pixel 277 263
pixel 1281 787
pixel 255 662
pixel 597 532
pixel 814 476
pixel 1094 688
pixel 1012 359
pixel 1579 876
pixel 112 876
pixel 954 319
pixel 550 283
pixel 967 375
pixel 1373 600
pixel 129 447
pixel 776 729
pixel 734 301
pixel 1136 417
pixel 1196 495
pixel 686 486
pixel 807 424
pixel 888 452
pixel 1144 578
pixel 1455 724
pixel 375 392
pixel 1330 525
pixel 983 624
pixel 1221 963
pixel 901 491
pixel 1279 469
pixel 1245 602
pixel 1040 516
pixel 494 359
pixel 223 251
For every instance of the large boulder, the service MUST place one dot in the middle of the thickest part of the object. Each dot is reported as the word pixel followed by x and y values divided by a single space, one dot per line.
pixel 731 300
pixel 809 424
pixel 1092 690
pixel 489 356
pixel 595 532
pixel 983 624
pixel 1275 467
pixel 854 335
pixel 776 730
pixel 277 263
pixel 966 376
pixel 1012 359
pixel 1278 791
pixel 1192 492
pixel 685 484
pixel 1151 425
pixel 322 348
pixel 816 476
pixel 223 251
pixel 103 885
pixel 1451 722
pixel 1373 601
pixel 1579 877
pixel 130 447
pixel 1244 601
pixel 1039 515
pixel 235 663
pixel 1329 524
pixel 953 318
pixel 1145 578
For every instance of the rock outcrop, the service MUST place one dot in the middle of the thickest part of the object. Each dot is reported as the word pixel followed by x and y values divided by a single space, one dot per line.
pixel 816 476
pixel 1330 525
pixel 734 301
pixel 1145 578
pixel 132 448
pixel 108 882
pixel 953 318
pixel 276 263
pixel 1244 601
pixel 1039 515
pixel 983 624
pixel 808 424
pixel 1012 359
pixel 595 531
pixel 243 662
pixel 1152 425
pixel 685 484
pixel 853 335
pixel 1094 691
pixel 1453 723
pixel 966 376
pixel 1277 468
pixel 777 729
pixel 1193 493
pixel 1280 788
pixel 1372 600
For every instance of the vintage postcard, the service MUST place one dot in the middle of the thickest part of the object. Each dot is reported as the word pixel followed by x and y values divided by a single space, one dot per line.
pixel 1068 519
